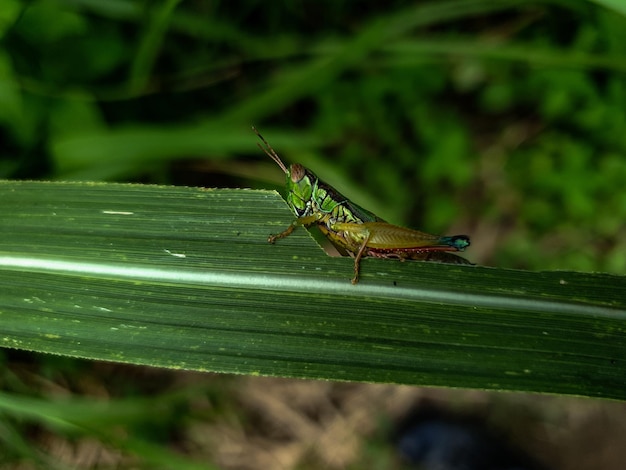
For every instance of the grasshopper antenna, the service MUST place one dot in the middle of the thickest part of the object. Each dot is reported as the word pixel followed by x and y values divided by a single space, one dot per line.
pixel 269 151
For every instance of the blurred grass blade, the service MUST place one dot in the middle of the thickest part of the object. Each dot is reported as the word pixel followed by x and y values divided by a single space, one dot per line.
pixel 158 19
pixel 71 416
pixel 618 6
pixel 184 278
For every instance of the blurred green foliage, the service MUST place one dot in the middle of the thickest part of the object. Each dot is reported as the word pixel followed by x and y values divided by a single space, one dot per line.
pixel 505 120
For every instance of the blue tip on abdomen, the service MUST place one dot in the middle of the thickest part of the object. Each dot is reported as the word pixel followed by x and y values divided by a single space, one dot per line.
pixel 460 242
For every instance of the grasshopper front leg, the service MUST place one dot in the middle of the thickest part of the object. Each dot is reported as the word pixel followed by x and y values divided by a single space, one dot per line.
pixel 300 221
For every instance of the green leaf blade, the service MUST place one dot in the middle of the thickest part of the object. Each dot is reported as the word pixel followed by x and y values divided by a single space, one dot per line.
pixel 184 278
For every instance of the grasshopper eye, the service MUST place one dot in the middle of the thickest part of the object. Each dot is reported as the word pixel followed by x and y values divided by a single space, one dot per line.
pixel 296 172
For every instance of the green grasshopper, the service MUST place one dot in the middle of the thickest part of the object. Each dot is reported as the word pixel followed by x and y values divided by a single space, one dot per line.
pixel 352 229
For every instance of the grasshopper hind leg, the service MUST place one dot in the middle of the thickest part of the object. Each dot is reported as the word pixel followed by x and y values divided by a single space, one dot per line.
pixel 357 259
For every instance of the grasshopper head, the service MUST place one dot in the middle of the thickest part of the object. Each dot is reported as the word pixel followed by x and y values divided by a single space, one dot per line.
pixel 300 184
pixel 300 181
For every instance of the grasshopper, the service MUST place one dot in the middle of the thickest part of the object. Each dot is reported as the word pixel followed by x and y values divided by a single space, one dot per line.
pixel 352 229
